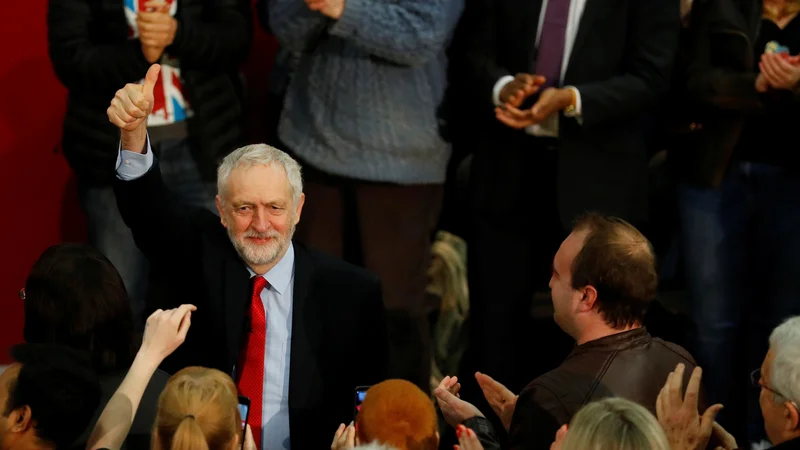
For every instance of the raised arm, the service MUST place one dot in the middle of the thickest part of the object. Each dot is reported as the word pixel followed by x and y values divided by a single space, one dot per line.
pixel 164 332
pixel 164 229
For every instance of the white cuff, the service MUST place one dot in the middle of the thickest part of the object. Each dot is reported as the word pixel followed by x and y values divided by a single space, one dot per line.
pixel 133 165
pixel 501 83
pixel 578 107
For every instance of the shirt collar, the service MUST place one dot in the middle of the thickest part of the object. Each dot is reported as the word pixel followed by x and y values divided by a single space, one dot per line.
pixel 280 276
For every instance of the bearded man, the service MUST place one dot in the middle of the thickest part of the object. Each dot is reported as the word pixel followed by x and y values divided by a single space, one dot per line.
pixel 298 330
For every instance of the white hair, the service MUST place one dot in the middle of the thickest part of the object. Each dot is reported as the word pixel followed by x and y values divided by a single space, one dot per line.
pixel 260 155
pixel 785 371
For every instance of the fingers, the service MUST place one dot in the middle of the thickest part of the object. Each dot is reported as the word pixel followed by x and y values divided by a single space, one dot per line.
pixel 707 420
pixel 770 71
pixel 183 328
pixel 660 412
pixel 150 81
pixel 316 5
pixel 351 436
pixel 468 440
pixel 158 16
pixel 511 122
pixel 693 390
pixel 445 396
pixel 157 6
pixel 675 386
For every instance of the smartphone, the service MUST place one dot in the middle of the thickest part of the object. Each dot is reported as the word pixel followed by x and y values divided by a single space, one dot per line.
pixel 244 411
pixel 361 394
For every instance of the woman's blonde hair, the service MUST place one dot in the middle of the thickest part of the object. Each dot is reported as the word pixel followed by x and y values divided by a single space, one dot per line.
pixel 776 11
pixel 614 424
pixel 198 410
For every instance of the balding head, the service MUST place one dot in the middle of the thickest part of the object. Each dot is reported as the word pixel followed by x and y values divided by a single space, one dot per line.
pixel 619 262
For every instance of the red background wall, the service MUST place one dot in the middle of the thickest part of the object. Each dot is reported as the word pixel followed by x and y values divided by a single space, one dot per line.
pixel 38 196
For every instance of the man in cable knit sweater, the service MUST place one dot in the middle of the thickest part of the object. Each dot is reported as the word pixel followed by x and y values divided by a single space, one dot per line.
pixel 361 116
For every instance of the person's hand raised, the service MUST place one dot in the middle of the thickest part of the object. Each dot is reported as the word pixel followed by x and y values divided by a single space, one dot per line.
pixel 685 428
pixel 133 103
pixel 165 331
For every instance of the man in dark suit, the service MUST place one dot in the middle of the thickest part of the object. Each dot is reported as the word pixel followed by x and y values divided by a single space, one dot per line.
pixel 571 82
pixel 315 328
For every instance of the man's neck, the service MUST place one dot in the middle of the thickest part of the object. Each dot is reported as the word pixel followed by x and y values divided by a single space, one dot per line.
pixel 264 268
pixel 599 331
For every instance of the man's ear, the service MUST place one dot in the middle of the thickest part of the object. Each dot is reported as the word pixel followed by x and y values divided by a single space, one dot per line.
pixel 20 419
pixel 299 210
pixel 218 201
pixel 589 298
pixel 792 416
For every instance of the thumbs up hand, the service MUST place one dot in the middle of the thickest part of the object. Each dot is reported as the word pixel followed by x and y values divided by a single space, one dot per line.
pixel 130 107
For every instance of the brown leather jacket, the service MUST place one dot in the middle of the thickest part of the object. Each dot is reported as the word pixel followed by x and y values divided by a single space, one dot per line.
pixel 632 365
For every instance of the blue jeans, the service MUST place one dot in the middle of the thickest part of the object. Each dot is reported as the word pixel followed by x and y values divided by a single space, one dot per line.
pixel 742 260
pixel 108 233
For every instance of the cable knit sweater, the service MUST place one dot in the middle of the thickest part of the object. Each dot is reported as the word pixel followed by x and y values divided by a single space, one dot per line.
pixel 363 98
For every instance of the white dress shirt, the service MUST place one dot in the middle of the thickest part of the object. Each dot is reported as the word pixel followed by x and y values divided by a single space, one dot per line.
pixel 278 298
pixel 550 126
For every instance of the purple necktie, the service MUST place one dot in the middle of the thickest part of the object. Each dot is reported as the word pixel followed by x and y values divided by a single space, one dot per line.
pixel 551 42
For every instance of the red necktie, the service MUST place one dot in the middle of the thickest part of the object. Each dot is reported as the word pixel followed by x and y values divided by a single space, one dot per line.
pixel 251 359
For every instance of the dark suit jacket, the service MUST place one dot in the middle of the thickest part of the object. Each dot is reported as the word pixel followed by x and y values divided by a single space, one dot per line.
pixel 620 63
pixel 631 365
pixel 338 332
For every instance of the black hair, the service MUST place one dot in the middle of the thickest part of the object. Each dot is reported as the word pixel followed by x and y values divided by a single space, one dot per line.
pixel 75 297
pixel 59 387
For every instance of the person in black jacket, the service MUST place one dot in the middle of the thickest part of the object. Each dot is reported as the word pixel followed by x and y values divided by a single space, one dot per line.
pixel 74 297
pixel 298 330
pixel 97 46
pixel 739 174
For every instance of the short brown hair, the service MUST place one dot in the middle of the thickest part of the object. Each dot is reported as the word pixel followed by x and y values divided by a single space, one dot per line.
pixel 619 262
pixel 397 413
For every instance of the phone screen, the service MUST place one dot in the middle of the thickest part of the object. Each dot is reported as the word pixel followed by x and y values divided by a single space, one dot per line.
pixel 244 411
pixel 361 394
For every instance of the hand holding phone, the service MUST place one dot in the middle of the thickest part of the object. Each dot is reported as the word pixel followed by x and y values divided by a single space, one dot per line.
pixel 360 395
pixel 244 412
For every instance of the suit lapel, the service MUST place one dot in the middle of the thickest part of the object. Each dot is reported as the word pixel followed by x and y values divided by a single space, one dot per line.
pixel 234 296
pixel 305 382
pixel 529 26
pixel 593 10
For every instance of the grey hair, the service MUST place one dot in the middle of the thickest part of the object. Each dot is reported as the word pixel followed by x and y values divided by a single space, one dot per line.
pixel 614 423
pixel 785 371
pixel 261 155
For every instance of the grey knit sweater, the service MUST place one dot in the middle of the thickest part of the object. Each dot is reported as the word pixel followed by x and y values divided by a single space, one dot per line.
pixel 363 99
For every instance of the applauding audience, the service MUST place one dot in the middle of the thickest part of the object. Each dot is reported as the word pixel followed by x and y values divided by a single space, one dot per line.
pixel 604 278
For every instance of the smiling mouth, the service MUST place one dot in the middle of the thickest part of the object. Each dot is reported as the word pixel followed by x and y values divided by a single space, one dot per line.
pixel 259 240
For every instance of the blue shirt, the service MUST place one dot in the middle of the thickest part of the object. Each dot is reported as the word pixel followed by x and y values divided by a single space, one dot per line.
pixel 278 298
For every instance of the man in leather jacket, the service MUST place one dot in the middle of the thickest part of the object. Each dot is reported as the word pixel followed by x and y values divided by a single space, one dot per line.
pixel 604 277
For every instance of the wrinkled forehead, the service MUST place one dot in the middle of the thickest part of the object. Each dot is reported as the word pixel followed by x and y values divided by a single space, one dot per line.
pixel 257 183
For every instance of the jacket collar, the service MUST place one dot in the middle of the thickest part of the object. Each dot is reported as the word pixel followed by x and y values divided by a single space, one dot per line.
pixel 619 341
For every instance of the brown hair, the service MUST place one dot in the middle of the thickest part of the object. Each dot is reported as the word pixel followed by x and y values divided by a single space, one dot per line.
pixel 398 414
pixel 619 262
pixel 198 410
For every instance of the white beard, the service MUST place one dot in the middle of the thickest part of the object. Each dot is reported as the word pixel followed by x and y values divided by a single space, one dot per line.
pixel 261 254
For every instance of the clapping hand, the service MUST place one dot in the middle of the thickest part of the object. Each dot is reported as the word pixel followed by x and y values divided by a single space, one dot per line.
pixel 454 410
pixel 500 398
pixel 780 72
pixel 157 29
pixel 330 8
pixel 685 428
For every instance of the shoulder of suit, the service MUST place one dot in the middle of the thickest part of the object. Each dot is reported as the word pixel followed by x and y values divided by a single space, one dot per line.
pixel 328 266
